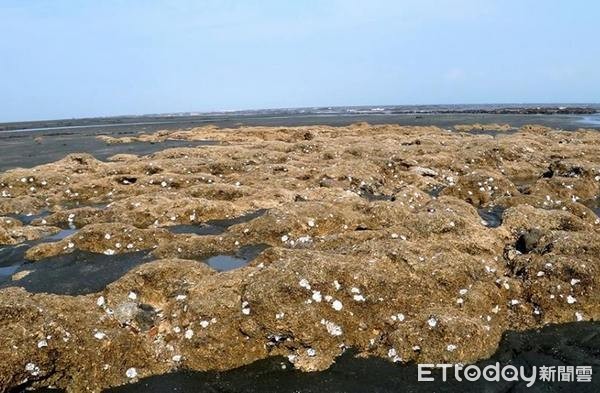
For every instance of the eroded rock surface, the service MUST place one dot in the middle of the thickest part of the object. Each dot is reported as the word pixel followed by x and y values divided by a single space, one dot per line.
pixel 359 252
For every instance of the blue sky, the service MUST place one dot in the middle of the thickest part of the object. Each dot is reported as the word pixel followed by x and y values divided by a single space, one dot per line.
pixel 76 58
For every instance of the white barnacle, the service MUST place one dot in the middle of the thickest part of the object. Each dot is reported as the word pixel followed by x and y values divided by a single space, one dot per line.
pixel 337 305
pixel 451 348
pixel 398 317
pixel 245 308
pixel 204 323
pixel 32 369
pixel 176 358
pixel 311 223
pixel 304 283
pixel 100 335
pixel 109 252
pixel 514 302
pixel 100 301
pixel 42 344
pixel 432 322
pixel 132 295
pixel 332 328
pixel 189 333
pixel 107 236
pixel 317 297
pixel 359 298
pixel 284 238
pixel 392 354
pixel 578 316
pixel 131 373
pixel 571 299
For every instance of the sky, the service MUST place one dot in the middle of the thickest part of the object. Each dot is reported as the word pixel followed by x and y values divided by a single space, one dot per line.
pixel 84 58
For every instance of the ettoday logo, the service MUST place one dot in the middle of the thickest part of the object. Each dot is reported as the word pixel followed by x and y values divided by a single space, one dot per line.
pixel 496 373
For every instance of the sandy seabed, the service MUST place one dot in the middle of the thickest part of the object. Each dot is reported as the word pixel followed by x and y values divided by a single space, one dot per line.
pixel 406 243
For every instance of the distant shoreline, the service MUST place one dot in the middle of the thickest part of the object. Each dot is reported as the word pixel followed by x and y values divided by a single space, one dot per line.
pixel 151 119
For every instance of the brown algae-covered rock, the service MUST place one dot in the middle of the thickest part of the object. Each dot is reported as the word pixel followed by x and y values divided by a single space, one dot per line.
pixel 373 238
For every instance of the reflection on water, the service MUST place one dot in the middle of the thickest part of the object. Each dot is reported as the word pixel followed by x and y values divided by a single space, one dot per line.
pixel 592 119
pixel 225 262
pixel 76 273
pixel 13 257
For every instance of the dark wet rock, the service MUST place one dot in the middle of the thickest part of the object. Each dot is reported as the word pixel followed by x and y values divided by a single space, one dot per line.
pixel 530 241
pixel 491 216
pixel 145 318
pixel 435 191
pixel 199 229
pixel 376 197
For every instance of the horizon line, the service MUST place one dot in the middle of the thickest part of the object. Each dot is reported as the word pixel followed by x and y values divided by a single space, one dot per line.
pixel 547 104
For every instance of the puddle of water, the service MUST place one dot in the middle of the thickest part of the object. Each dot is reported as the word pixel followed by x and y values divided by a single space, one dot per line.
pixel 492 215
pixel 13 257
pixel 10 259
pixel 60 235
pixel 77 273
pixel 27 218
pixel 572 344
pixel 225 262
pixel 8 271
